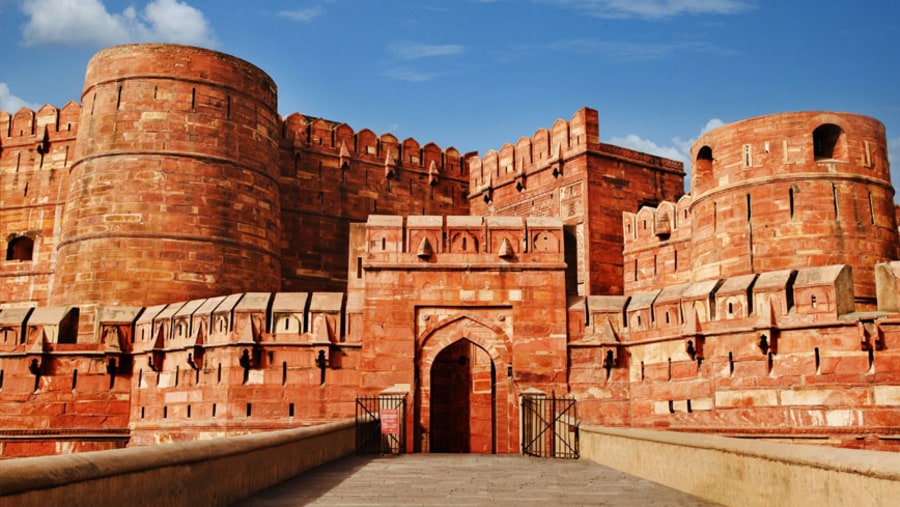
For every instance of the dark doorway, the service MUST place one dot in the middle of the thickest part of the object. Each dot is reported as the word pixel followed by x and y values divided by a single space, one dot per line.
pixel 463 395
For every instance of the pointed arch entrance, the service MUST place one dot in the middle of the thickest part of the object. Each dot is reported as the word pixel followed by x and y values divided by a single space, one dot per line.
pixel 463 396
pixel 465 402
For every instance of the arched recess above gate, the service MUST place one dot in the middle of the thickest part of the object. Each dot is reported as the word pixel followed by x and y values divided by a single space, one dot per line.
pixel 439 335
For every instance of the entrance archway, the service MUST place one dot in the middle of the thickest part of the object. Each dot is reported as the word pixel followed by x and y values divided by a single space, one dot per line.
pixel 463 400
pixel 476 408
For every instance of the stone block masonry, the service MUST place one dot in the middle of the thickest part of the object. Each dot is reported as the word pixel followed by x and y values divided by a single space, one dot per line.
pixel 183 263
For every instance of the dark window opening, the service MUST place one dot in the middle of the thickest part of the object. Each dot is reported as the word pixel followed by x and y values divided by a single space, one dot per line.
pixel 791 201
pixel 703 164
pixel 829 143
pixel 20 249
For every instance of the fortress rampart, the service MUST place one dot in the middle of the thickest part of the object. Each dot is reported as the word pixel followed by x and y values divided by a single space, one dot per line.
pixel 568 173
pixel 174 179
pixel 182 263
pixel 793 189
pixel 332 176
pixel 36 148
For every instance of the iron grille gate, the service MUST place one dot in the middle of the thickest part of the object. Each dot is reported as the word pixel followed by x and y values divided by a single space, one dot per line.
pixel 380 424
pixel 549 427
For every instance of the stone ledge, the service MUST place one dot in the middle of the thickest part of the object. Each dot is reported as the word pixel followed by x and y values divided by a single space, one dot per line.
pixel 741 472
pixel 183 473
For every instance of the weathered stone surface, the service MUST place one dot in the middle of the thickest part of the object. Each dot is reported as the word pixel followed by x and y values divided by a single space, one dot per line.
pixel 183 263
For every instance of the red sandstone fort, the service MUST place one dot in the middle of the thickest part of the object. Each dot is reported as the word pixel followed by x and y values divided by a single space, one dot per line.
pixel 183 263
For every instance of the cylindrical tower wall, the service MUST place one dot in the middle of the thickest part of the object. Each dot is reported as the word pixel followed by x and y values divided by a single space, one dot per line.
pixel 173 192
pixel 793 190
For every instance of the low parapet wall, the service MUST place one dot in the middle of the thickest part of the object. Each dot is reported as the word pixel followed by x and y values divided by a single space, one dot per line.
pixel 208 472
pixel 740 472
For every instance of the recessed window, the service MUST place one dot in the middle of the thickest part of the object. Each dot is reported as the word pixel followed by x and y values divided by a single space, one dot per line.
pixel 829 142
pixel 703 164
pixel 20 249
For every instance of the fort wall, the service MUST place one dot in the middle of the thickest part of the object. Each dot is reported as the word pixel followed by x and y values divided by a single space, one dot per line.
pixel 776 355
pixel 36 151
pixel 793 190
pixel 181 263
pixel 332 176
pixel 567 172
pixel 174 180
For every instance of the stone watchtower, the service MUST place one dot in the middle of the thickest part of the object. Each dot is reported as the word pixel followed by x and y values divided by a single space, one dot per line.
pixel 173 191
pixel 793 190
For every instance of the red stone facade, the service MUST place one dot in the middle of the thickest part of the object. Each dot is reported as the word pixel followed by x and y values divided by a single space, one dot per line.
pixel 183 263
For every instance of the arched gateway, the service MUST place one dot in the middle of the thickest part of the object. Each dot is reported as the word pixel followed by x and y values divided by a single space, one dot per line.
pixel 465 402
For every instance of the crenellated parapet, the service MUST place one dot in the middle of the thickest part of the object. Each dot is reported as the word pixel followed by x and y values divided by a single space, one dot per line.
pixel 657 245
pixel 805 297
pixel 331 175
pixel 342 149
pixel 39 130
pixel 36 151
pixel 546 151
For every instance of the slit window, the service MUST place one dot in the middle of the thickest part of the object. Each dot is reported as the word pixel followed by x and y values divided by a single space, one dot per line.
pixel 871 209
pixel 837 211
pixel 791 201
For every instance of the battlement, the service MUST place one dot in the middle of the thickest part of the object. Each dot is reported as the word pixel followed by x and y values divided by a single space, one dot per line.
pixel 805 297
pixel 650 226
pixel 347 147
pixel 45 125
pixel 545 150
pixel 433 240
pixel 657 245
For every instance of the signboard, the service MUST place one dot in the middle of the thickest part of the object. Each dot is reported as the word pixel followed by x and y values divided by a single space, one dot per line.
pixel 390 422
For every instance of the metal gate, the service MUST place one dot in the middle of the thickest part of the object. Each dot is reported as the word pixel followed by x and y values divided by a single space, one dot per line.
pixel 380 424
pixel 549 427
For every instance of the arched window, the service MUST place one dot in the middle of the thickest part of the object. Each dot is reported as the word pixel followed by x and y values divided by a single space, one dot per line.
pixel 703 164
pixel 829 142
pixel 20 249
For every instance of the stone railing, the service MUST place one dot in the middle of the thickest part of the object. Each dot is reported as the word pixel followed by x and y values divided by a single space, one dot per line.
pixel 206 472
pixel 741 472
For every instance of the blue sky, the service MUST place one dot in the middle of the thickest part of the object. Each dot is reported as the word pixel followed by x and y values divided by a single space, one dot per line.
pixel 477 74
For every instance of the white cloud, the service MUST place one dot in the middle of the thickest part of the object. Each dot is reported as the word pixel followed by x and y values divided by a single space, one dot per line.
pixel 638 143
pixel 712 124
pixel 679 149
pixel 10 103
pixel 408 50
pixel 408 74
pixel 89 23
pixel 654 9
pixel 303 15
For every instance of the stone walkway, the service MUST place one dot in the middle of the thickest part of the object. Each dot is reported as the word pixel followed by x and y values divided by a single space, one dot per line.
pixel 466 480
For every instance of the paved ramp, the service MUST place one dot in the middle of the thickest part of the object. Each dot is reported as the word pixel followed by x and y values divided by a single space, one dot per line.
pixel 465 480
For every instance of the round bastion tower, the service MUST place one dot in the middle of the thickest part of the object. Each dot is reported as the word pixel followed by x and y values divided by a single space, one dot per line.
pixel 790 191
pixel 173 192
